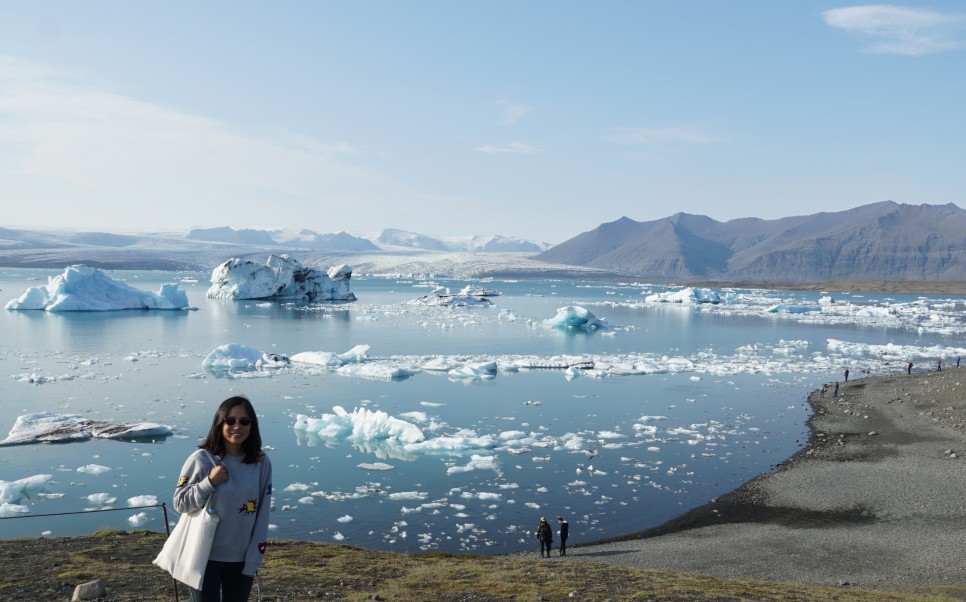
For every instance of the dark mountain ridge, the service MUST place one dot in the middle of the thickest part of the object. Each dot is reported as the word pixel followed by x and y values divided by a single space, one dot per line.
pixel 880 241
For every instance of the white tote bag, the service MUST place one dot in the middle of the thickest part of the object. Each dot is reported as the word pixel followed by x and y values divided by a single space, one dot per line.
pixel 185 552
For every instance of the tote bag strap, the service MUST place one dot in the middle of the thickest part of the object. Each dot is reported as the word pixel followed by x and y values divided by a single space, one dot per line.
pixel 214 463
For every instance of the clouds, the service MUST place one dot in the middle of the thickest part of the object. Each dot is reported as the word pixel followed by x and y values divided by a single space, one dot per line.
pixel 61 140
pixel 898 30
pixel 515 147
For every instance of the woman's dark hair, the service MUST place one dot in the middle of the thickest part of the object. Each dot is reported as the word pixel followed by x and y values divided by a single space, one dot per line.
pixel 215 443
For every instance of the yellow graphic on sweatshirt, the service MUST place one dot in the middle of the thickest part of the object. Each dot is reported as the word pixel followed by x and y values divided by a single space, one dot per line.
pixel 182 480
pixel 248 507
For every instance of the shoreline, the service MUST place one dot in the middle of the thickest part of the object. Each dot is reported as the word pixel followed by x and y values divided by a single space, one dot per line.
pixel 875 499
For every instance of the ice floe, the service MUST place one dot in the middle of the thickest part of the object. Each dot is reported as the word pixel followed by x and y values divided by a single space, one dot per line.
pixel 47 427
pixel 687 296
pixel 279 277
pixel 83 288
pixel 575 317
pixel 12 493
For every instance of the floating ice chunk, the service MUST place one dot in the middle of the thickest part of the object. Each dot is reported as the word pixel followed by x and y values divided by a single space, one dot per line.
pixel 408 495
pixel 139 519
pixel 473 290
pixel 416 416
pixel 610 435
pixel 234 357
pixel 482 370
pixel 574 317
pixel 142 500
pixel 687 296
pixel 357 354
pixel 532 505
pixel 361 425
pixel 297 487
pixel 102 499
pixel 13 492
pixel 379 371
pixel 344 519
pixel 443 298
pixel 455 442
pixel 788 308
pixel 48 427
pixel 375 466
pixel 280 277
pixel 476 463
pixel 338 536
pixel 83 288
pixel 8 510
pixel 94 469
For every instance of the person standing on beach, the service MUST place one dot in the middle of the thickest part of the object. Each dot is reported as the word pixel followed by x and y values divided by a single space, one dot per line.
pixel 846 375
pixel 939 365
pixel 564 533
pixel 824 389
pixel 239 487
pixel 957 361
pixel 836 392
pixel 545 537
pixel 909 368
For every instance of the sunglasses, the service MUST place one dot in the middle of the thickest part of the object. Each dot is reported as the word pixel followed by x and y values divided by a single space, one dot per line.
pixel 231 420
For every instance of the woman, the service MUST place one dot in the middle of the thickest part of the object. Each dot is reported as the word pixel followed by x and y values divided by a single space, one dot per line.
pixel 240 487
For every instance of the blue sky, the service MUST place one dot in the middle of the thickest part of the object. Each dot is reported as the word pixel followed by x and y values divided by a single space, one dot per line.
pixel 532 119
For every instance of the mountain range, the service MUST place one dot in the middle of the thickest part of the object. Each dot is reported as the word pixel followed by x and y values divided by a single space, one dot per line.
pixel 884 241
pixel 880 241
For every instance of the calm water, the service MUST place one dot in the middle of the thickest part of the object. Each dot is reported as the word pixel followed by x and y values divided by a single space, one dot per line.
pixel 725 422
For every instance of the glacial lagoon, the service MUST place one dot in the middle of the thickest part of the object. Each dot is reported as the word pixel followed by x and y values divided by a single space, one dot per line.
pixel 683 402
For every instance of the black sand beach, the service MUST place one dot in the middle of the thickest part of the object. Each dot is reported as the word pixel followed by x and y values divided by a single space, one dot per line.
pixel 876 500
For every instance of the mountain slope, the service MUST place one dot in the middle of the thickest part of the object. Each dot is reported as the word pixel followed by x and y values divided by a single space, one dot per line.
pixel 881 241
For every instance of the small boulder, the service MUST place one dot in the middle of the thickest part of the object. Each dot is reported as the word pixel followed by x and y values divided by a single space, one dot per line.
pixel 92 590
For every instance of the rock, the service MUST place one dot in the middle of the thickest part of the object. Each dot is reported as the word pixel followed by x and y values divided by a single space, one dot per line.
pixel 92 590
pixel 873 433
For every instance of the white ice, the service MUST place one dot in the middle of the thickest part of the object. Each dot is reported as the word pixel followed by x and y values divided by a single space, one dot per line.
pixel 357 354
pixel 686 296
pixel 49 427
pixel 443 298
pixel 12 493
pixel 234 357
pixel 280 277
pixel 575 317
pixel 83 288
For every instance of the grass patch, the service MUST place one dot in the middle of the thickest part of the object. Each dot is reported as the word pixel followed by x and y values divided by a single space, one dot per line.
pixel 48 569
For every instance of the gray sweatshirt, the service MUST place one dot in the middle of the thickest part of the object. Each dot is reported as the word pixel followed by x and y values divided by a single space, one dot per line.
pixel 242 504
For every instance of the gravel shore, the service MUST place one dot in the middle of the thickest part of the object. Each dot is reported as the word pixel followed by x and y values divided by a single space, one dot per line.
pixel 876 500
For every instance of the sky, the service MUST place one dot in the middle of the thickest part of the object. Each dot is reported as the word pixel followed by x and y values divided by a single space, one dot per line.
pixel 536 119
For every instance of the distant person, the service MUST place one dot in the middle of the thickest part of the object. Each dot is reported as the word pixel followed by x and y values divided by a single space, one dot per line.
pixel 909 368
pixel 846 375
pixel 824 390
pixel 545 537
pixel 564 532
pixel 939 365
pixel 836 393
pixel 957 361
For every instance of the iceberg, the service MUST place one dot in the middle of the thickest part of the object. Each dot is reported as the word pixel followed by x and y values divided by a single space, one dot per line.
pixel 789 308
pixel 359 426
pixel 686 296
pixel 575 317
pixel 83 288
pixel 14 492
pixel 441 297
pixel 471 290
pixel 280 277
pixel 59 428
pixel 357 354
pixel 241 358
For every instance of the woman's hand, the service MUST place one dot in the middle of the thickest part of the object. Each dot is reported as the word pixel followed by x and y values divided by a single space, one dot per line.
pixel 218 475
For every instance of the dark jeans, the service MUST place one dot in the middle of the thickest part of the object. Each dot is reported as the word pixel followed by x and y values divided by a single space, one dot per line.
pixel 545 545
pixel 223 582
pixel 563 546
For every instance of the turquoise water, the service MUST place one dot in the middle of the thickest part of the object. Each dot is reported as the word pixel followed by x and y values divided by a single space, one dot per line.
pixel 724 421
